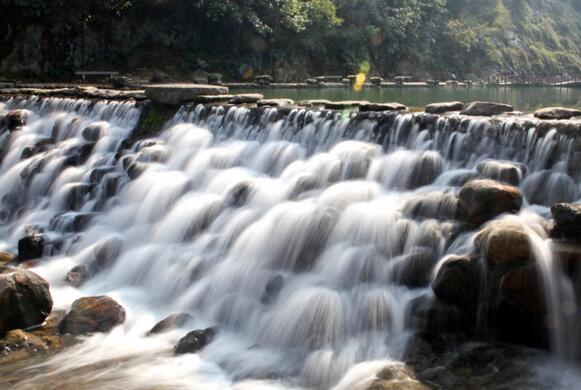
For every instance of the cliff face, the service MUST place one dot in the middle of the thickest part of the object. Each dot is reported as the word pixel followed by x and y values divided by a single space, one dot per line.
pixel 462 37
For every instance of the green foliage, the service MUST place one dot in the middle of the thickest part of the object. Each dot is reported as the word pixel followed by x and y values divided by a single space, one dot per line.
pixel 415 37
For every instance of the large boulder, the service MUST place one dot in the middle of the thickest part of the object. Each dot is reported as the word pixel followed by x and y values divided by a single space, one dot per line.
pixel 92 314
pixel 567 218
pixel 486 109
pixel 440 108
pixel 428 315
pixel 30 247
pixel 458 281
pixel 195 341
pixel 504 243
pixel 171 322
pixel 25 299
pixel 483 200
pixel 552 113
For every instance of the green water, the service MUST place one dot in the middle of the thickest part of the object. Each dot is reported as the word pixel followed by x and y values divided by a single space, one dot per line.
pixel 522 98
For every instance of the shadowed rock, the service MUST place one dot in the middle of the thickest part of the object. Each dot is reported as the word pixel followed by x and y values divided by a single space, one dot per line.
pixel 557 113
pixel 195 341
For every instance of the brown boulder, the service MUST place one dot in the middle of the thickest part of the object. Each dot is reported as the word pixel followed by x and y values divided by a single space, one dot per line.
pixel 92 314
pixel 483 200
pixel 504 243
pixel 25 299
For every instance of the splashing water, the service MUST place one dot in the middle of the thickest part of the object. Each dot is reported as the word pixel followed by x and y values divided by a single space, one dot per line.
pixel 284 230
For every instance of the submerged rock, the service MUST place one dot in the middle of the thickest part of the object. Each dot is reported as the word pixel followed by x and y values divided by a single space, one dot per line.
pixel 92 314
pixel 483 200
pixel 30 247
pixel 7 257
pixel 25 299
pixel 567 218
pixel 78 275
pixel 486 109
pixel 171 322
pixel 431 316
pixel 195 341
pixel 440 108
pixel 413 270
pixel 557 113
pixel 502 171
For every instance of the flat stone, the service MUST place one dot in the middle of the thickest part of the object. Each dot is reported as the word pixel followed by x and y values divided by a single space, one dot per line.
pixel 175 94
pixel 246 98
pixel 558 113
pixel 382 107
pixel 486 109
pixel 213 98
pixel 439 108
pixel 276 102
pixel 345 104
pixel 314 103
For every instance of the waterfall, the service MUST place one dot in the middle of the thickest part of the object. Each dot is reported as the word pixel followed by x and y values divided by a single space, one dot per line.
pixel 291 230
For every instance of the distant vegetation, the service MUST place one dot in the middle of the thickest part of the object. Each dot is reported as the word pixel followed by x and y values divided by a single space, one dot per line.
pixel 292 39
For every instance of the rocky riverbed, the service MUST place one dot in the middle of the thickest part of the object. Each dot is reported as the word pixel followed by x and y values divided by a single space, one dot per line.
pixel 486 263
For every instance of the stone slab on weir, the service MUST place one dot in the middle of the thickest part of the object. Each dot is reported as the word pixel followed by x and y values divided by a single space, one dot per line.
pixel 175 94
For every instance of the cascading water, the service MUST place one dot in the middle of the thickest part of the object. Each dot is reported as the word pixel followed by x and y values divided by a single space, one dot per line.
pixel 289 230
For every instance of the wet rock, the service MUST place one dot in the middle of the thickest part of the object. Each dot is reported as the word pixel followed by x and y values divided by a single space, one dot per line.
pixel 92 314
pixel 504 243
pixel 93 132
pixel 175 94
pixel 502 171
pixel 276 102
pixel 458 281
pixel 247 98
pixel 30 247
pixel 78 275
pixel 486 109
pixel 16 119
pixel 521 288
pixel 440 108
pixel 567 218
pixel 382 107
pixel 557 113
pixel 483 200
pixel 7 257
pixel 171 322
pixel 213 99
pixel 425 169
pixel 25 299
pixel 272 289
pixel 413 270
pixel 432 316
pixel 521 312
pixel 195 341
pixel 397 377
pixel 315 103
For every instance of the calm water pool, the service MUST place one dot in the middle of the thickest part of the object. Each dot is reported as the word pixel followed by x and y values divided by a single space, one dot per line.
pixel 522 98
